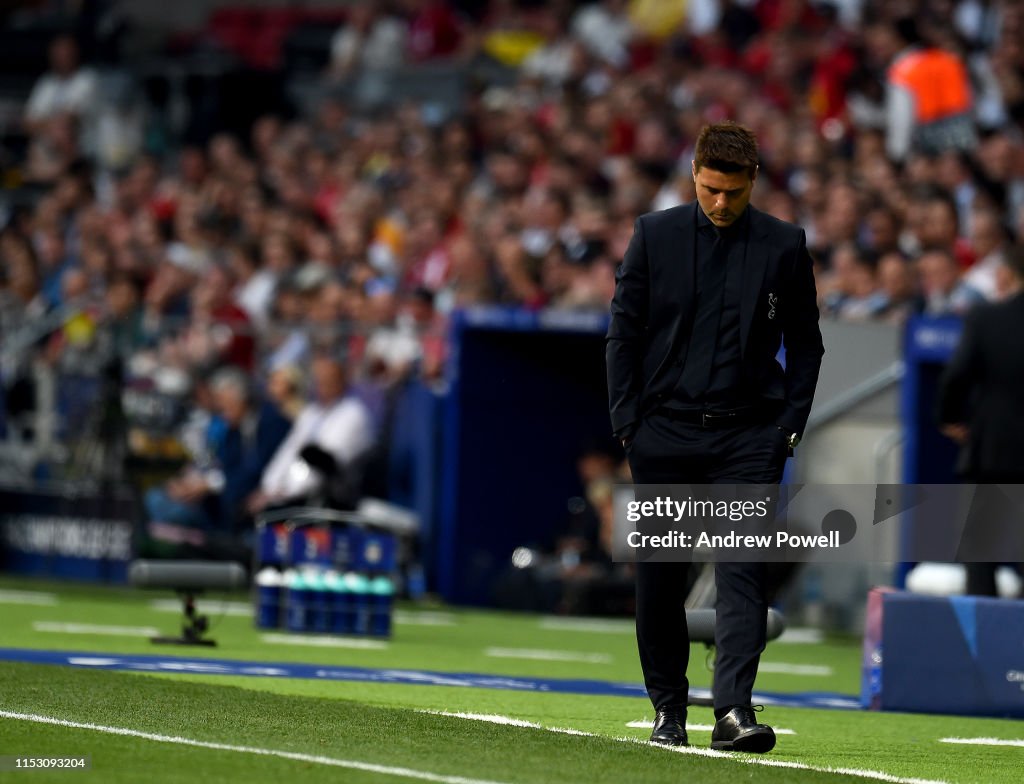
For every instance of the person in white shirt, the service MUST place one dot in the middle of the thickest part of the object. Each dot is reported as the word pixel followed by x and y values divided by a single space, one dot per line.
pixel 335 422
pixel 65 89
pixel 988 241
pixel 371 39
pixel 605 31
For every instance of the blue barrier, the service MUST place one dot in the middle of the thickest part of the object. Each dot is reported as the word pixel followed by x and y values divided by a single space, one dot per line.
pixel 943 655
pixel 67 532
pixel 526 390
pixel 414 461
pixel 928 456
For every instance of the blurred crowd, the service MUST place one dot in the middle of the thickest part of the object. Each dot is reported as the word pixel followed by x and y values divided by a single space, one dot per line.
pixel 891 131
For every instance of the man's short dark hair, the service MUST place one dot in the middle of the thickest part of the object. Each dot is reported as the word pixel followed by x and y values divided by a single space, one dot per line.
pixel 726 147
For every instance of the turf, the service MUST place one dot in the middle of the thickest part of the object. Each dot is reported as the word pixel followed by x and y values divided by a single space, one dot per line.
pixel 315 725
pixel 385 724
pixel 459 647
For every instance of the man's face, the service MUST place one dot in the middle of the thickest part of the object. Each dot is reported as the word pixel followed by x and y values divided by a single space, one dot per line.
pixel 328 380
pixel 722 196
pixel 64 56
pixel 938 274
pixel 231 405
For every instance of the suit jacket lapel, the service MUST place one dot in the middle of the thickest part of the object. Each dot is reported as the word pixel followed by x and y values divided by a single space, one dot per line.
pixel 684 254
pixel 755 264
pixel 679 276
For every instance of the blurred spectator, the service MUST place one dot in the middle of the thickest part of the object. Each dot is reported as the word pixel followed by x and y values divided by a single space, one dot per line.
pixel 123 322
pixel 371 39
pixel 421 319
pixel 427 263
pixel 209 495
pixel 471 281
pixel 67 89
pixel 943 291
pixel 988 242
pixel 284 388
pixel 853 293
pixel 21 299
pixel 881 230
pixel 604 29
pixel 356 232
pixel 896 279
pixel 928 98
pixel 560 58
pixel 219 330
pixel 336 427
pixel 392 348
pixel 434 29
pixel 933 223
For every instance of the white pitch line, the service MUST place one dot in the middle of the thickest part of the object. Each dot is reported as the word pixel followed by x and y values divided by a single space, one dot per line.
pixel 315 641
pixel 490 718
pixel 802 635
pixel 769 762
pixel 57 627
pixel 206 606
pixel 783 668
pixel 595 625
pixel 983 741
pixel 425 618
pixel 509 721
pixel 28 597
pixel 746 759
pixel 316 759
pixel 536 654
pixel 570 731
pixel 646 725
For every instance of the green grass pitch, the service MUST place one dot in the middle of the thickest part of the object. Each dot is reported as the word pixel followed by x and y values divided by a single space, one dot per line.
pixel 157 728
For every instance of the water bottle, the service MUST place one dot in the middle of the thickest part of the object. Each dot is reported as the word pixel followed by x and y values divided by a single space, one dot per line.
pixel 318 600
pixel 382 591
pixel 269 583
pixel 359 588
pixel 298 601
pixel 337 601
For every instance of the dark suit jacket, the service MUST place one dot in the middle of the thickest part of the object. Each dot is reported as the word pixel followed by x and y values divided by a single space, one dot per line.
pixel 983 386
pixel 655 303
pixel 243 466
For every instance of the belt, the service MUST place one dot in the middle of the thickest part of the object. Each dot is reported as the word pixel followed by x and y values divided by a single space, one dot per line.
pixel 717 419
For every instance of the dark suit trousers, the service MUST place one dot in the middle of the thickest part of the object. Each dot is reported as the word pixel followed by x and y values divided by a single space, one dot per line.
pixel 992 519
pixel 667 451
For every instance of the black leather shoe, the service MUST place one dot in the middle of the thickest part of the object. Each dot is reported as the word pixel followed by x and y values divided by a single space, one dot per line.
pixel 670 727
pixel 738 731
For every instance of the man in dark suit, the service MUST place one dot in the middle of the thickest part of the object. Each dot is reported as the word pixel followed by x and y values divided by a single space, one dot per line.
pixel 980 401
pixel 209 496
pixel 705 295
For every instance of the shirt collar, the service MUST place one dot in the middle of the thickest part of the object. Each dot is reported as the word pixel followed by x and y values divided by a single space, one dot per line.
pixel 704 223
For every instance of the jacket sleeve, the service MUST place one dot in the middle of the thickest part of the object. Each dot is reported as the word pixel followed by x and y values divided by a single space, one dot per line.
pixel 271 430
pixel 801 337
pixel 627 334
pixel 959 376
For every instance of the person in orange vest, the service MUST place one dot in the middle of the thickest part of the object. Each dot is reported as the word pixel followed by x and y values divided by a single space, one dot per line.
pixel 929 105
